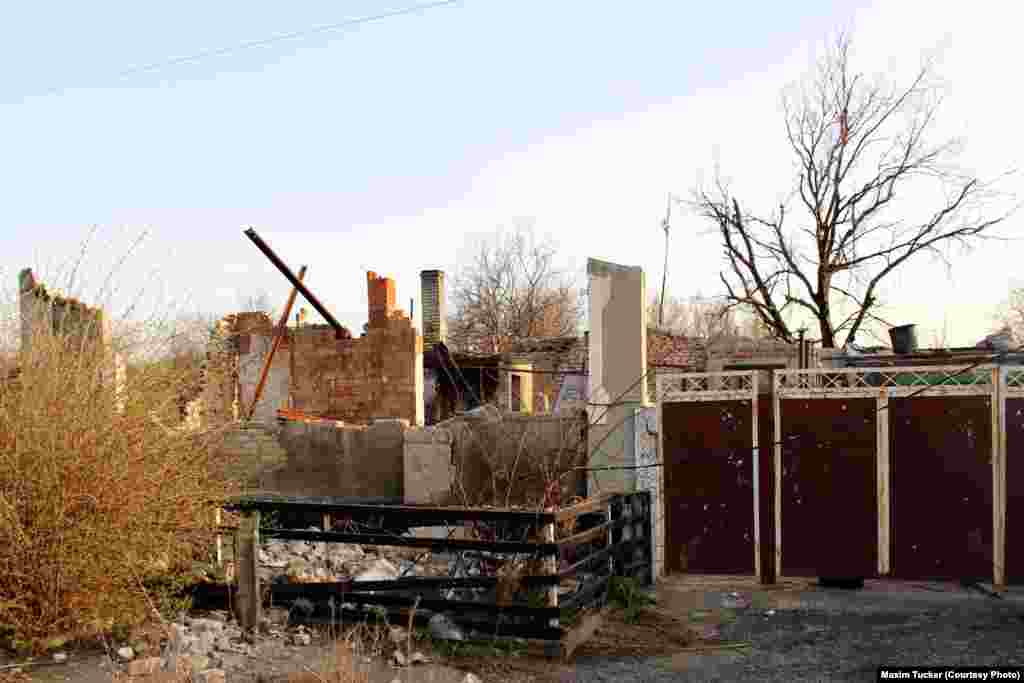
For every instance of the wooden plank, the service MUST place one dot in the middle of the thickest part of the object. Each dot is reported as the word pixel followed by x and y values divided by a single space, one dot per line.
pixel 585 536
pixel 594 504
pixel 582 632
pixel 413 515
pixel 551 569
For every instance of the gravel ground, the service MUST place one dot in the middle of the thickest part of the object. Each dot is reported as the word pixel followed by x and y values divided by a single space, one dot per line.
pixel 835 635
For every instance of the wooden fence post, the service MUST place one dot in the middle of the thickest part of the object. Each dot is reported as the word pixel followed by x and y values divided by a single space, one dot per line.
pixel 998 478
pixel 777 444
pixel 247 558
pixel 884 484
pixel 760 571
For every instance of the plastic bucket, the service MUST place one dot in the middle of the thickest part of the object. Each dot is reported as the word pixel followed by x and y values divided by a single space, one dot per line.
pixel 904 338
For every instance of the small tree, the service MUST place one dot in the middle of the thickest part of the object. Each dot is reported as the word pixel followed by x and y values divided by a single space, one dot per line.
pixel 512 290
pixel 858 146
pixel 1010 316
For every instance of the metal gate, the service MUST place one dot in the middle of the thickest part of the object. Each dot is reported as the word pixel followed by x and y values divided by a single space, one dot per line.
pixel 939 471
pixel 709 426
pixel 845 472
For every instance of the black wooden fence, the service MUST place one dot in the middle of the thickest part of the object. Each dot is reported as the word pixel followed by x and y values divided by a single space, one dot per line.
pixel 568 556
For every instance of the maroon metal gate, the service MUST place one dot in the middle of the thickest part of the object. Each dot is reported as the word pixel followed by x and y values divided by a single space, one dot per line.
pixel 1015 490
pixel 709 497
pixel 829 501
pixel 941 466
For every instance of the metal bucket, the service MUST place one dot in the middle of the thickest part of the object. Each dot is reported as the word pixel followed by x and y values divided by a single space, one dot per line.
pixel 904 338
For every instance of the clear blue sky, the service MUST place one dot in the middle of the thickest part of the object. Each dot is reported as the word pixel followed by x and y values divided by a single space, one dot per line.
pixel 348 149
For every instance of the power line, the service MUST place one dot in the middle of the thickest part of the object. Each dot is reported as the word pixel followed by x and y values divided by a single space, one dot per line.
pixel 218 52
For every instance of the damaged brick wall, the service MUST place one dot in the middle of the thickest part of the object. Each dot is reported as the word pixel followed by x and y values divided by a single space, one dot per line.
pixel 379 375
pixel 356 380
pixel 663 348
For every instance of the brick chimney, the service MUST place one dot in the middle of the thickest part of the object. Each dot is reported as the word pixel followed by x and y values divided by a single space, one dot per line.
pixel 381 297
pixel 433 307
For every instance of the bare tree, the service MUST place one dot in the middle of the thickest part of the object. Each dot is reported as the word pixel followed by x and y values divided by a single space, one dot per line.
pixel 696 316
pixel 255 303
pixel 858 146
pixel 512 290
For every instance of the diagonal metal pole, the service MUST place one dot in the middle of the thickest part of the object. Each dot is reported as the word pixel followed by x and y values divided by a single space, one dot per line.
pixel 286 271
pixel 279 333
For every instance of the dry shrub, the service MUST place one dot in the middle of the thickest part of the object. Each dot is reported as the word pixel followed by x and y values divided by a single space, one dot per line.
pixel 97 504
pixel 510 461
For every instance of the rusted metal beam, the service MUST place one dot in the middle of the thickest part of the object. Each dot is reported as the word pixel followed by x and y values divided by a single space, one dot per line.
pixel 308 295
pixel 279 332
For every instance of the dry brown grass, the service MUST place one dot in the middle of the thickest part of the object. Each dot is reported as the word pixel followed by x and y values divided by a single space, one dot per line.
pixel 96 504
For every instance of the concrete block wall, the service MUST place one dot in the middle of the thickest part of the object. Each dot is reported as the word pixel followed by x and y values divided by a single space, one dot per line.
pixel 427 462
pixel 250 453
pixel 329 458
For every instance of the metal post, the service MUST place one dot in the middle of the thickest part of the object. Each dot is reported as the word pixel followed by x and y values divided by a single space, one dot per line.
pixel 279 264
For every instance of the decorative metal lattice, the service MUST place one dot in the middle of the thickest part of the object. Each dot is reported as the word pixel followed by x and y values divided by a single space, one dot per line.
pixel 897 381
pixel 1014 381
pixel 706 386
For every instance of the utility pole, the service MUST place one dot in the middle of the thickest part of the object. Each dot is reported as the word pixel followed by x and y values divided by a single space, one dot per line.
pixel 664 272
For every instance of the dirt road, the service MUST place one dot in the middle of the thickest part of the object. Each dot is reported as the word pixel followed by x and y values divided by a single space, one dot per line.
pixel 798 632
